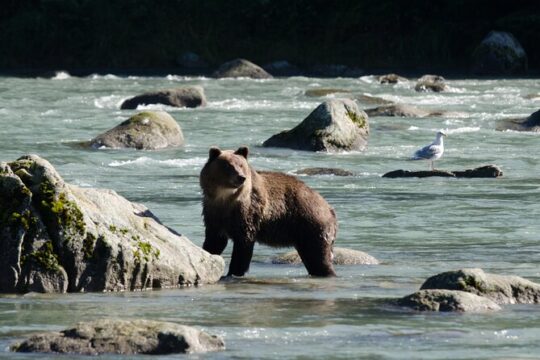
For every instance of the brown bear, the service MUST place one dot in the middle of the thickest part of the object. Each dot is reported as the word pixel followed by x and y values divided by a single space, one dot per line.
pixel 269 207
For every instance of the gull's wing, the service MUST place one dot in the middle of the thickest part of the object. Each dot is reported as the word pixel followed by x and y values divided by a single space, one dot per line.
pixel 428 152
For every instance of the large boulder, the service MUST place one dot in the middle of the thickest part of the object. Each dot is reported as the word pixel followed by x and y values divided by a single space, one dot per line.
pixel 499 54
pixel 447 300
pixel 342 256
pixel 241 68
pixel 335 125
pixel 125 337
pixel 530 123
pixel 401 110
pixel 499 288
pixel 57 237
pixel 433 83
pixel 148 130
pixel 189 96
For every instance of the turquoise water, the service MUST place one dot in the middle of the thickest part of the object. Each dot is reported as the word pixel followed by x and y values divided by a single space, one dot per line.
pixel 415 227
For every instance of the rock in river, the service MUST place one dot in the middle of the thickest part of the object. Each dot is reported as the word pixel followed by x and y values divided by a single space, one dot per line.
pixel 401 110
pixel 433 83
pixel 57 237
pixel 241 68
pixel 342 256
pixel 335 125
pixel 189 96
pixel 125 337
pixel 149 130
pixel 487 171
pixel 391 79
pixel 447 300
pixel 499 288
pixel 530 123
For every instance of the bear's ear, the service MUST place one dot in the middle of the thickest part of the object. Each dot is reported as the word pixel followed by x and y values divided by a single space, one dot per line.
pixel 213 153
pixel 244 151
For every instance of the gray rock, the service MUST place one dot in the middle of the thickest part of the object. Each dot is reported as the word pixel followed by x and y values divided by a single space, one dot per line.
pixel 391 79
pixel 319 92
pixel 530 123
pixel 148 130
pixel 499 288
pixel 335 125
pixel 532 96
pixel 241 68
pixel 499 53
pixel 57 237
pixel 125 337
pixel 433 83
pixel 401 110
pixel 324 171
pixel 487 171
pixel 447 300
pixel 370 100
pixel 342 256
pixel 189 96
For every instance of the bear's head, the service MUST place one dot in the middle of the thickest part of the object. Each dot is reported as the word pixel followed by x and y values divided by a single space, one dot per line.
pixel 226 173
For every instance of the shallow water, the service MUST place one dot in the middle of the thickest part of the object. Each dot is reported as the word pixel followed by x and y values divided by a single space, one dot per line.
pixel 415 227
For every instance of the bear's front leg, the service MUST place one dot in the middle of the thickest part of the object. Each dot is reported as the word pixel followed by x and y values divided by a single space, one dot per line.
pixel 241 257
pixel 214 241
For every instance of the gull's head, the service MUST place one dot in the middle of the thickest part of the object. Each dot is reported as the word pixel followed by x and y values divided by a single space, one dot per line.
pixel 441 133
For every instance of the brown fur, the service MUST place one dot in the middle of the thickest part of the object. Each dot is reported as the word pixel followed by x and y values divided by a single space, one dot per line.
pixel 269 207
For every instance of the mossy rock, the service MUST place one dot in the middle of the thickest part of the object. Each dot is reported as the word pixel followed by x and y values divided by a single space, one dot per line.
pixel 148 130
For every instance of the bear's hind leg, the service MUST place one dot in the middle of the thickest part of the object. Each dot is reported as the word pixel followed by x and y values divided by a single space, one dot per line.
pixel 317 259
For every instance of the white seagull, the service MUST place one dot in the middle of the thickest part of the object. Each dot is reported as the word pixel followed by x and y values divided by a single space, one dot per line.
pixel 433 151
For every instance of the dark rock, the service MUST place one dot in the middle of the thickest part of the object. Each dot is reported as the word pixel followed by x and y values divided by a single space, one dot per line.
pixel 324 171
pixel 499 54
pixel 190 96
pixel 391 79
pixel 499 288
pixel 336 70
pixel 447 300
pixel 241 68
pixel 282 68
pixel 149 130
pixel 335 125
pixel 191 60
pixel 342 256
pixel 123 337
pixel 318 92
pixel 57 237
pixel 433 83
pixel 487 171
pixel 401 110
pixel 530 123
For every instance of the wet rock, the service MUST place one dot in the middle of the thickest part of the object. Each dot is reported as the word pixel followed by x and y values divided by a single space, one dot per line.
pixel 499 53
pixel 401 110
pixel 534 96
pixel 499 288
pixel 189 96
pixel 342 256
pixel 318 92
pixel 282 68
pixel 335 125
pixel 447 300
pixel 433 83
pixel 391 79
pixel 148 130
pixel 530 123
pixel 324 171
pixel 125 337
pixel 370 100
pixel 57 237
pixel 487 171
pixel 241 68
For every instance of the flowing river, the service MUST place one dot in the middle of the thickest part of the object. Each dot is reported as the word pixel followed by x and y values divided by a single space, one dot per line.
pixel 415 227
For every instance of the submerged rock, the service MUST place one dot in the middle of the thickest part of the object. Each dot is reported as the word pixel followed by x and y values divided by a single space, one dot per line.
pixel 433 83
pixel 447 300
pixel 487 171
pixel 401 110
pixel 370 100
pixel 499 288
pixel 189 96
pixel 530 123
pixel 391 79
pixel 324 171
pixel 499 53
pixel 57 237
pixel 125 337
pixel 149 130
pixel 342 256
pixel 241 68
pixel 318 92
pixel 335 125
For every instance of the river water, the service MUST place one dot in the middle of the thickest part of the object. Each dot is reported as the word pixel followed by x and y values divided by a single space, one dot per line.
pixel 415 227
